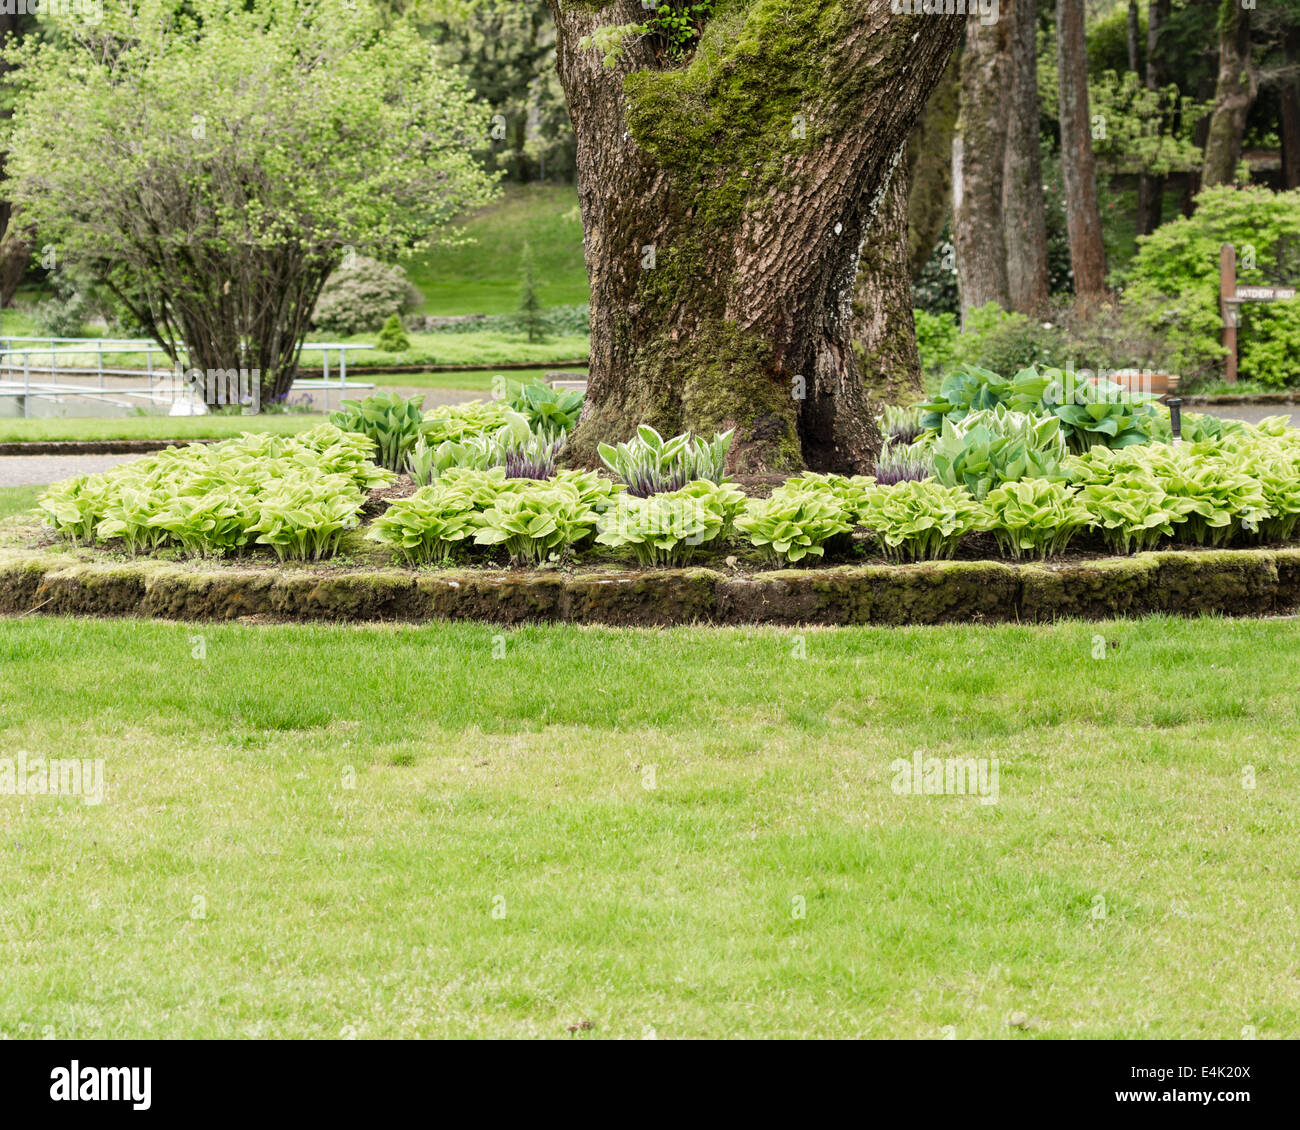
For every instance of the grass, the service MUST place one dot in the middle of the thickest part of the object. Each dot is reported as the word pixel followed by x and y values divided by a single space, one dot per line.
pixel 470 349
pixel 482 277
pixel 484 381
pixel 17 500
pixel 466 830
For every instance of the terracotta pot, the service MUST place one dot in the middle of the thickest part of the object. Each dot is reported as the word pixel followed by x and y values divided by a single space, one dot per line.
pixel 1145 380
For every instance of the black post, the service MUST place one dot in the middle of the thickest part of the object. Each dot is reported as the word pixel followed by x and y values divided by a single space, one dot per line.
pixel 1176 416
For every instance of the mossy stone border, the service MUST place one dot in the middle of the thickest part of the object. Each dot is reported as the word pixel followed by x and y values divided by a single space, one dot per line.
pixel 1223 582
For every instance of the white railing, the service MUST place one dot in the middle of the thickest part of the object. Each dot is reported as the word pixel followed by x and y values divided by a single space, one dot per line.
pixel 30 367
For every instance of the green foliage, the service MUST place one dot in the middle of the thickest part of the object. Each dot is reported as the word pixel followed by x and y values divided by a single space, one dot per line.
pixel 530 306
pixel 392 338
pixel 428 527
pixel 391 421
pixel 213 163
pixel 936 339
pixel 296 494
pixel 1034 517
pixel 361 295
pixel 667 528
pixel 649 464
pixel 546 409
pixel 994 446
pixel 1173 282
pixel 970 388
pixel 919 521
pixel 1146 131
pixel 791 526
pixel 534 521
pixel 1098 411
pixel 460 421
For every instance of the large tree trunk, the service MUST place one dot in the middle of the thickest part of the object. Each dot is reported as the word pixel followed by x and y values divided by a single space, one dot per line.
pixel 929 168
pixel 1078 165
pixel 15 251
pixel 978 150
pixel 725 201
pixel 1289 96
pixel 1151 188
pixel 1233 95
pixel 884 335
pixel 1023 208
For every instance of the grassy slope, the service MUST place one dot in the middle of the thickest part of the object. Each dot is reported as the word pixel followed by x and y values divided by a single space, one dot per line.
pixel 482 277
pixel 307 831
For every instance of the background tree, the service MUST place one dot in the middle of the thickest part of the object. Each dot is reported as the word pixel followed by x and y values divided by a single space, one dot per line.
pixel 731 159
pixel 978 169
pixel 1023 208
pixel 1078 166
pixel 1234 93
pixel 211 167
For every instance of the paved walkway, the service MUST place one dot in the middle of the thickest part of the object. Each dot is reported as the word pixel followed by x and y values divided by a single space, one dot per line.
pixel 37 470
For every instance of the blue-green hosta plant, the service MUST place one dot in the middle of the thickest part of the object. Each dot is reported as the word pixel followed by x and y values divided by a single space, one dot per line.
pixel 389 419
pixel 919 521
pixel 987 448
pixel 546 409
pixel 1034 517
pixel 972 389
pixel 649 464
pixel 667 528
pixel 791 526
pixel 1099 412
pixel 429 527
pixel 533 522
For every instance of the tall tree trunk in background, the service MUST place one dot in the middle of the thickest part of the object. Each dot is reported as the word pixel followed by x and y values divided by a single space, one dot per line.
pixel 1078 165
pixel 1024 211
pixel 725 201
pixel 1289 96
pixel 1233 95
pixel 884 335
pixel 1151 188
pixel 14 248
pixel 978 150
pixel 1133 35
pixel 929 166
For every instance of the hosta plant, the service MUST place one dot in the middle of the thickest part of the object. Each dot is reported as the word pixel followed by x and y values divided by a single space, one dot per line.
pixel 390 420
pixel 303 520
pixel 988 448
pixel 1129 518
pixel 650 464
pixel 1034 517
pixel 1098 412
pixel 533 522
pixel 428 527
pixel 546 409
pixel 919 521
pixel 791 526
pixel 460 421
pixel 899 424
pixel 667 528
pixel 972 389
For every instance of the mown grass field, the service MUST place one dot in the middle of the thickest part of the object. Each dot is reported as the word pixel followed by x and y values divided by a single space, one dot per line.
pixel 46 430
pixel 483 276
pixel 463 830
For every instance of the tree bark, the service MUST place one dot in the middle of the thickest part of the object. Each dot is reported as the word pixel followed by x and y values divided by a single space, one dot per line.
pixel 978 153
pixel 1078 165
pixel 1023 208
pixel 1133 35
pixel 725 200
pixel 1233 96
pixel 15 251
pixel 1289 96
pixel 1151 188
pixel 884 334
pixel 929 169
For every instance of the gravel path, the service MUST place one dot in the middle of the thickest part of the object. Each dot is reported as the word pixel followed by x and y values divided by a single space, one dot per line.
pixel 37 470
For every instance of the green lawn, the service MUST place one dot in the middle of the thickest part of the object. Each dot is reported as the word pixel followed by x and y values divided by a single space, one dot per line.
pixel 16 500
pixel 465 349
pixel 462 830
pixel 482 277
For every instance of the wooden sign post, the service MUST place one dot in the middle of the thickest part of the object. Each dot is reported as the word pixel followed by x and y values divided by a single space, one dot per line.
pixel 1231 296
